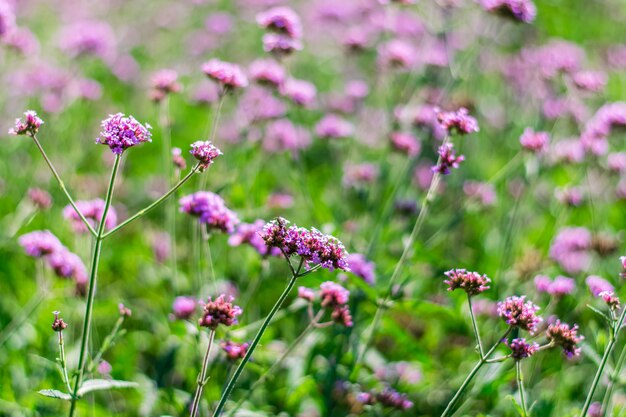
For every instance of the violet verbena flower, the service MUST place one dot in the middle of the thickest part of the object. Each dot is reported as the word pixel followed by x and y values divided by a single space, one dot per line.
pixel 459 122
pixel 333 294
pixel 517 312
pixel 392 398
pixel 93 211
pixel 228 75
pixel 571 249
pixel 184 307
pixel 177 158
pixel 40 198
pixel 361 267
pixel 268 72
pixel 334 127
pixel 561 334
pixel 210 210
pixel 28 126
pixel 448 159
pixel 522 10
pixel 164 82
pixel 301 92
pixel 219 312
pixel 250 233
pixel 520 349
pixel 611 300
pixel 280 44
pixel 39 243
pixel 306 294
pixel 405 143
pixel 559 287
pixel 534 141
pixel 120 133
pixel 234 350
pixel 471 282
pixel 341 315
pixel 205 152
pixel 314 247
pixel 66 264
pixel 7 20
pixel 281 20
pixel 598 284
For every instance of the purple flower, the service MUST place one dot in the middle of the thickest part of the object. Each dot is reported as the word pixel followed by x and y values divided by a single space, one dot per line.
pixel 520 349
pixel 610 299
pixel 595 410
pixel 341 315
pixel 483 192
pixel 334 127
pixel 184 307
pixel 561 334
pixel 459 122
pixel 120 133
pixel 40 243
pixel 92 210
pixel 571 196
pixel 593 81
pixel 205 152
pixel 617 162
pixel 333 295
pixel 282 135
pixel 221 311
pixel 392 398
pixel 398 54
pixel 522 10
pixel 40 198
pixel 250 233
pixel 89 38
pixel 406 143
pixel 29 126
pixel 306 294
pixel 7 20
pixel 534 141
pixel 599 127
pixel 447 159
pixel 234 350
pixel 471 282
pixel 517 312
pixel 164 82
pixel 177 158
pixel 210 210
pixel 359 175
pixel 58 325
pixel 570 249
pixel 361 267
pixel 598 285
pixel 301 92
pixel 67 265
pixel 267 71
pixel 562 286
pixel 280 44
pixel 226 74
pixel 282 20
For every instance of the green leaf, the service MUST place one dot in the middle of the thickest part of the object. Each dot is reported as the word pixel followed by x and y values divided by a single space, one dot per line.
pixel 103 385
pixel 517 406
pixel 600 313
pixel 53 393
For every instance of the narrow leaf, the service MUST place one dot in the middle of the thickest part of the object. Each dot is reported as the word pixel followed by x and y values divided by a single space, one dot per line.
pixel 104 384
pixel 53 393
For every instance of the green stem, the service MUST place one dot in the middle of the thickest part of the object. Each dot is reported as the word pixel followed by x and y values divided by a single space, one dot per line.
pixel 66 379
pixel 606 402
pixel 448 411
pixel 480 345
pixel 607 352
pixel 62 185
pixel 153 205
pixel 255 342
pixel 520 385
pixel 82 360
pixel 202 379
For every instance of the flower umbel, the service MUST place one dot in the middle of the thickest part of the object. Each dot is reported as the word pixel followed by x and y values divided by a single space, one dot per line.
pixel 561 334
pixel 517 312
pixel 471 282
pixel 520 349
pixel 205 152
pixel 120 133
pixel 221 311
pixel 28 126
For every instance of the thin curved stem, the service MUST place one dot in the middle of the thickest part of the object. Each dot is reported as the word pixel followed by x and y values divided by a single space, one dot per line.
pixel 520 385
pixel 62 185
pixel 255 342
pixel 475 326
pixel 143 212
pixel 606 402
pixel 63 364
pixel 202 379
pixel 82 360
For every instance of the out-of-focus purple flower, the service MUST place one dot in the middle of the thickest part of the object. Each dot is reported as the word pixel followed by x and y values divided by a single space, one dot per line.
pixel 301 92
pixel 359 175
pixel 595 410
pixel 120 133
pixel 219 23
pixel 571 196
pixel 534 141
pixel 334 127
pixel 250 233
pixel 87 89
pixel 610 299
pixel 89 38
pixel 40 198
pixel 161 246
pixel 406 143
pixel 28 126
pixel 67 265
pixel 93 211
pixel 472 283
pixel 616 162
pixel 594 81
pixel 447 159
pixel 280 44
pixel 228 75
pixel 164 82
pixel 21 39
pixel 234 350
pixel 177 158
pixel 210 210
pixel 485 308
pixel 104 368
pixel 562 286
pixel 517 312
pixel 306 294
pixel 398 54
pixel 599 127
pixel 258 104
pixel 361 267
pixel 484 192
pixel 402 371
pixel 267 71
pixel 333 295
pixel 542 283
pixel 312 245
pixel 7 19
pixel 184 307
pixel 522 10
pixel 341 315
pixel 40 243
pixel 282 135
pixel 457 122
pixel 521 349
pixel 561 334
pixel 570 249
pixel 423 176
pixel 598 285
pixel 280 200
pixel 357 89
pixel 569 150
pixel 206 92
pixel 205 152
pixel 282 20
pixel 219 311
pixel 392 398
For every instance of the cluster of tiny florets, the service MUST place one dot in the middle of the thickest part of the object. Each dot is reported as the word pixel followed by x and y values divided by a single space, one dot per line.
pixel 561 334
pixel 205 152
pixel 471 282
pixel 447 159
pixel 285 30
pixel 220 311
pixel 58 325
pixel 120 133
pixel 229 76
pixel 249 233
pixel 611 300
pixel 92 210
pixel 517 312
pixel 28 126
pixel 333 294
pixel 234 350
pixel 459 122
pixel 521 10
pixel 521 349
pixel 210 210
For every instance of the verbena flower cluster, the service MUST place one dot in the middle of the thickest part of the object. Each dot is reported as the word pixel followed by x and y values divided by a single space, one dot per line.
pixel 447 159
pixel 522 10
pixel 250 233
pixel 521 349
pixel 229 76
pixel 314 247
pixel 518 312
pixel 561 334
pixel 458 122
pixel 234 350
pixel 220 311
pixel 472 283
pixel 205 152
pixel 211 210
pixel 285 30
pixel 28 126
pixel 120 133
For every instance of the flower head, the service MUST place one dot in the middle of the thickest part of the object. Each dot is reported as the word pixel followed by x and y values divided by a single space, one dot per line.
pixel 67 265
pixel 610 299
pixel 361 267
pixel 28 126
pixel 471 282
pixel 520 349
pixel 177 158
pixel 282 20
pixel 570 248
pixel 184 307
pixel 392 398
pixel 58 325
pixel 228 75
pixel 301 92
pixel 561 334
pixel 457 122
pixel 120 133
pixel 341 315
pixel 333 295
pixel 40 198
pixel 205 152
pixel 447 159
pixel 210 210
pixel 306 294
pixel 522 10
pixel 250 233
pixel 267 71
pixel 93 211
pixel 40 243
pixel 164 82
pixel 234 350
pixel 534 141
pixel 517 312
pixel 598 285
pixel 221 311
pixel 280 44
pixel 405 143
pixel 334 127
